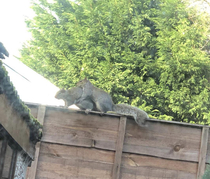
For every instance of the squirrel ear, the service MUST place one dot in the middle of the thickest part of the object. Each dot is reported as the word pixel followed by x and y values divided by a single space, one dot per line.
pixel 62 90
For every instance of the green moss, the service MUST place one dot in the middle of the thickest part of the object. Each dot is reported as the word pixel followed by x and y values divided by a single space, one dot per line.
pixel 7 88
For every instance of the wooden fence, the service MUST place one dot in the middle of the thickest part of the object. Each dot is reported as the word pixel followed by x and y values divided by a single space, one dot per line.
pixel 76 145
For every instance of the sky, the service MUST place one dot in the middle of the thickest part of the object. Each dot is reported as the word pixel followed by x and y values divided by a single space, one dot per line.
pixel 13 33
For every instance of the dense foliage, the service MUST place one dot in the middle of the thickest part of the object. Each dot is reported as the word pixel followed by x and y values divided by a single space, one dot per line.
pixel 151 54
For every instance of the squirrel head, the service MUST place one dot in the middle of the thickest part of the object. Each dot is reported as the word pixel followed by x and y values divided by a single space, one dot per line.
pixel 60 93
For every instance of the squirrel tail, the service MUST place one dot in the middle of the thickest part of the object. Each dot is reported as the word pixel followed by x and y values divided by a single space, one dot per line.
pixel 139 115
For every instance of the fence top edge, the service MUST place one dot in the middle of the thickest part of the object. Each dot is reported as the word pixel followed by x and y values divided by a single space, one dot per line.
pixel 61 108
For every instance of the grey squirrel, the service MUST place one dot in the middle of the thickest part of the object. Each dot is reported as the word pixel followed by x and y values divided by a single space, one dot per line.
pixel 104 103
pixel 72 96
pixel 86 96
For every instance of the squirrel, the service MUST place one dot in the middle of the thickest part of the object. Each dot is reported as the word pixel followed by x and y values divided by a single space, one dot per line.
pixel 103 102
pixel 72 96
pixel 101 99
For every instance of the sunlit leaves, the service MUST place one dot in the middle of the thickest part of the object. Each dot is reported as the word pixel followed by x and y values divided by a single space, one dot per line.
pixel 151 54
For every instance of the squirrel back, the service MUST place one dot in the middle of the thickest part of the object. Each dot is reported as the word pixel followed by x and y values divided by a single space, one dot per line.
pixel 86 86
pixel 101 99
pixel 139 115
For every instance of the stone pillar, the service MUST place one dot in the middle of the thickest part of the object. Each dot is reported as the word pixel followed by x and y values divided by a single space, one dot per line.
pixel 22 163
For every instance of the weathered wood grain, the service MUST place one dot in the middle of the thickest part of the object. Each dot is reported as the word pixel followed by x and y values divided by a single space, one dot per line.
pixel 82 120
pixel 80 130
pixel 60 161
pixel 119 148
pixel 33 168
pixel 163 140
pixel 203 151
pixel 160 151
pixel 145 167
pixel 171 141
pixel 15 126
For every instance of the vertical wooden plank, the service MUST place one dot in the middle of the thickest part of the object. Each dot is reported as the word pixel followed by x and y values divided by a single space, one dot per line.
pixel 40 118
pixel 203 151
pixel 119 148
pixel 2 156
pixel 41 114
pixel 13 165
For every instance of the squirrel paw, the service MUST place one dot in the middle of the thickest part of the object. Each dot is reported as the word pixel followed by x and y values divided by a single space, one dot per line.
pixel 87 111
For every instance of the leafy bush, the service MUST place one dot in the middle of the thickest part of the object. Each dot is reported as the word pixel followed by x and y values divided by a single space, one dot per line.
pixel 151 54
